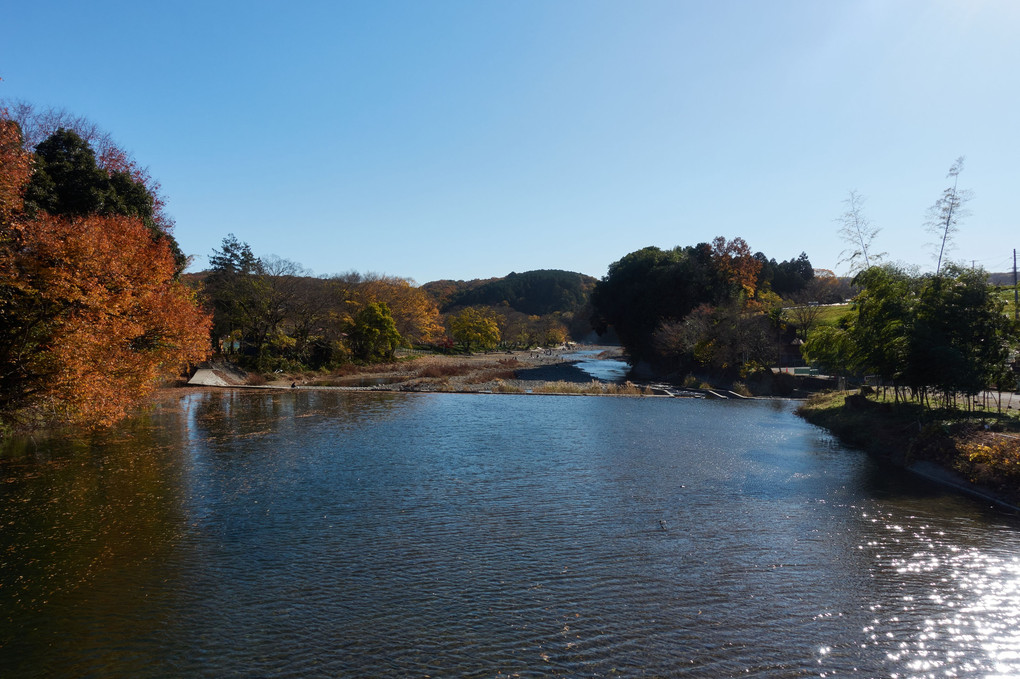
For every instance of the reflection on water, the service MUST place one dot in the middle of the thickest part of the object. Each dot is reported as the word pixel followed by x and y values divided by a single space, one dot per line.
pixel 336 534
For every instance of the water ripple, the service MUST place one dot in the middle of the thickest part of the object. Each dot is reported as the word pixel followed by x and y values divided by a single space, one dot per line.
pixel 328 534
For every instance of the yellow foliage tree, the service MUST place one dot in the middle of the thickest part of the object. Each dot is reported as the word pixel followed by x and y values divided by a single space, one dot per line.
pixel 475 328
pixel 414 313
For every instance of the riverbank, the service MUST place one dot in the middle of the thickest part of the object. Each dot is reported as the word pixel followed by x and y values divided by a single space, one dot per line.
pixel 978 453
pixel 548 371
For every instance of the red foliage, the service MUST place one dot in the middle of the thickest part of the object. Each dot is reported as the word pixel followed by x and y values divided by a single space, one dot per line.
pixel 122 322
pixel 92 314
pixel 15 170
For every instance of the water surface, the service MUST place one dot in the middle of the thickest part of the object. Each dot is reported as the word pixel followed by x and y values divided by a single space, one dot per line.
pixel 321 534
pixel 603 369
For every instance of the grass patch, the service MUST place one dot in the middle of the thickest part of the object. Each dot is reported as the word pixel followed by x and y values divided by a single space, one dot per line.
pixel 878 428
pixel 349 369
pixel 564 387
pixel 594 388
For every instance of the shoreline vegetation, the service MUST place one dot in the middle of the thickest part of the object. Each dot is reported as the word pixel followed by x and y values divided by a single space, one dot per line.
pixel 976 452
pixel 536 371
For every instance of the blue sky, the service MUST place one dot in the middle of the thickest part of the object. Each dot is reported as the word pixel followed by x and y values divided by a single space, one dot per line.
pixel 451 139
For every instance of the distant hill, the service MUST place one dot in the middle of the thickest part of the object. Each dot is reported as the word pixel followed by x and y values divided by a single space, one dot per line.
pixel 1001 278
pixel 540 292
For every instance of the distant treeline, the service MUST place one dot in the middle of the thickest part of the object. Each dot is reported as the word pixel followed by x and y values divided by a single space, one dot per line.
pixel 269 314
pixel 538 293
pixel 711 307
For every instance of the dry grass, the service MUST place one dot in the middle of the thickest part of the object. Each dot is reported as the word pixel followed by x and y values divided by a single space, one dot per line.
pixel 627 389
pixel 349 369
pixel 483 376
pixel 473 372
pixel 562 387
pixel 436 370
pixel 740 388
pixel 593 388
pixel 692 382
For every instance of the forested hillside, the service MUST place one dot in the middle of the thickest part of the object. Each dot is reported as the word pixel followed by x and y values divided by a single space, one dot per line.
pixel 539 292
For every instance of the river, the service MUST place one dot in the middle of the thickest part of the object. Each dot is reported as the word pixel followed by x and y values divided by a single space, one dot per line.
pixel 324 534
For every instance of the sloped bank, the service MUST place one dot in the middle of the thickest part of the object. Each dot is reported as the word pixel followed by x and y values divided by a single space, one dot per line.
pixel 979 456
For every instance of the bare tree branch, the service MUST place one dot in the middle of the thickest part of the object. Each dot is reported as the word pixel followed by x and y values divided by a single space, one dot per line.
pixel 858 232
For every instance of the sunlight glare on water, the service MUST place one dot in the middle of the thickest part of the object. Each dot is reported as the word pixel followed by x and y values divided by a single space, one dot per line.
pixel 956 607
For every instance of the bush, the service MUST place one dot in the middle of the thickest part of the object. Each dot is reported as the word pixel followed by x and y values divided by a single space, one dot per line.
pixel 740 388
pixel 693 382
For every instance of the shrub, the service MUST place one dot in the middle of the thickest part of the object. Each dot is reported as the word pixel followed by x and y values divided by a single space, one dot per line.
pixel 740 388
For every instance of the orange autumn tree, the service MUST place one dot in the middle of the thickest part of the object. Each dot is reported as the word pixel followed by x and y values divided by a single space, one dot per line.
pixel 734 261
pixel 92 314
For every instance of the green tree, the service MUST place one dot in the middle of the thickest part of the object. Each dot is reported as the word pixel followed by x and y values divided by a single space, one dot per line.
pixel 960 339
pixel 68 181
pixel 253 299
pixel 938 336
pixel 880 322
pixel 649 286
pixel 227 287
pixel 373 335
pixel 475 329
pixel 832 349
